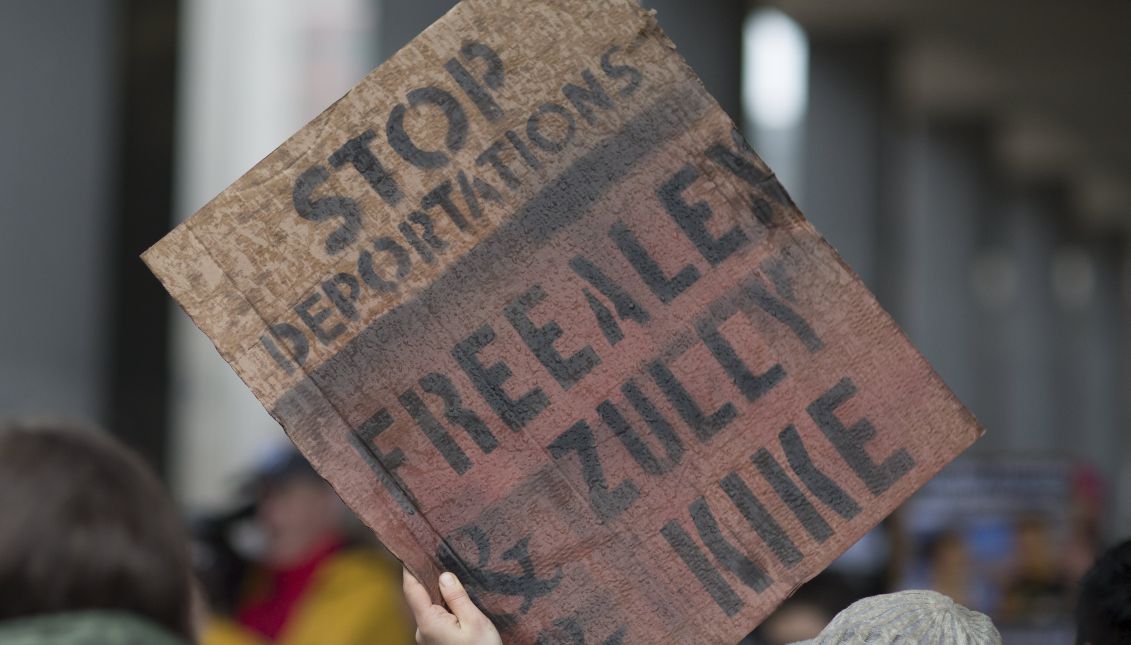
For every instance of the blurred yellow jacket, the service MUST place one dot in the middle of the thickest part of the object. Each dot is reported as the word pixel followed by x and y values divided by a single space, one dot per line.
pixel 354 599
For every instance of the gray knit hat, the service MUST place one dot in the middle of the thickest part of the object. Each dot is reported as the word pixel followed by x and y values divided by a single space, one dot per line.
pixel 911 618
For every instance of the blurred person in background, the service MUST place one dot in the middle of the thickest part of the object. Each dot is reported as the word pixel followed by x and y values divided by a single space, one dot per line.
pixel 1103 610
pixel 1035 589
pixel 946 565
pixel 91 547
pixel 309 582
pixel 951 572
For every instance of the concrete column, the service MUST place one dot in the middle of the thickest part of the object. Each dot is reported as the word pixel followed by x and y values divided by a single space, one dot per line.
pixel 1029 382
pixel 846 152
pixel 709 36
pixel 1084 274
pixel 57 176
pixel 948 202
pixel 1105 324
pixel 399 21
pixel 991 280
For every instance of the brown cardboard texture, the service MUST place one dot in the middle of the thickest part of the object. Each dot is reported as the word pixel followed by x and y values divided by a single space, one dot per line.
pixel 532 306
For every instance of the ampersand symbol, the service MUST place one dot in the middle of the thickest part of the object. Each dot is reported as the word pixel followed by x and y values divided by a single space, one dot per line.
pixel 479 578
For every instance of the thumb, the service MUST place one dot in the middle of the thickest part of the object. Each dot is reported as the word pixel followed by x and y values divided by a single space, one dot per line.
pixel 416 596
pixel 455 596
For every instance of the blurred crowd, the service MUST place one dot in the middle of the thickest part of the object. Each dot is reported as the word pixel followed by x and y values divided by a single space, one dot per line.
pixel 1008 537
pixel 92 550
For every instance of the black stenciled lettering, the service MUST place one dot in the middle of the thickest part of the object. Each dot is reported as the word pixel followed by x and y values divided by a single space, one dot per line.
pixel 427 241
pixel 761 520
pixel 821 485
pixel 610 329
pixel 739 162
pixel 657 424
pixel 850 442
pixel 442 196
pixel 437 435
pixel 314 319
pixel 343 300
pixel 276 354
pixel 725 553
pixel 779 274
pixel 743 163
pixel 420 246
pixel 368 270
pixel 539 138
pixel 631 75
pixel 583 98
pixel 383 464
pixel 480 578
pixel 695 560
pixel 493 78
pixel 454 412
pixel 416 243
pixel 777 195
pixel 428 230
pixel 705 426
pixel 783 313
pixel 491 156
pixel 607 503
pixel 293 338
pixel 655 420
pixel 631 440
pixel 357 153
pixel 692 219
pixel 666 289
pixel 626 306
pixel 402 143
pixel 469 196
pixel 753 386
pixel 791 495
pixel 566 631
pixel 566 371
pixel 489 381
pixel 486 190
pixel 326 207
pixel 763 211
pixel 524 152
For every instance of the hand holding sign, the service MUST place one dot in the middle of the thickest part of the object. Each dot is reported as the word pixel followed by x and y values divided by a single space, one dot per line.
pixel 463 625
pixel 542 318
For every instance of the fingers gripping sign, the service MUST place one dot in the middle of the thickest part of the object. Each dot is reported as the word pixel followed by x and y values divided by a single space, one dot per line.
pixel 460 623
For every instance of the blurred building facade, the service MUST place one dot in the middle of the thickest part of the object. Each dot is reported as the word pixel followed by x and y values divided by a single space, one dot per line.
pixel 970 160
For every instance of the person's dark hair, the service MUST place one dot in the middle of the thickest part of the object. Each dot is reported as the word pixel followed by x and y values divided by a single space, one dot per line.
pixel 1103 610
pixel 86 525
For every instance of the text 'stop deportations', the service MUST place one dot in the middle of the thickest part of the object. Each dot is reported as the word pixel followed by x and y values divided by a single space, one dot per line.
pixel 542 318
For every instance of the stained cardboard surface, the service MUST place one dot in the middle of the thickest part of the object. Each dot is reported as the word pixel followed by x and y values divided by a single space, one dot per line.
pixel 530 304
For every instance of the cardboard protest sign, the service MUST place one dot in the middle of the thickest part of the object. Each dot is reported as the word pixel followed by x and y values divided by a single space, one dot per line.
pixel 541 317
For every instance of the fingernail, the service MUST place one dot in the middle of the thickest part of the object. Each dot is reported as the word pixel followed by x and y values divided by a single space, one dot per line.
pixel 447 580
